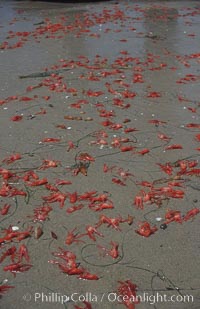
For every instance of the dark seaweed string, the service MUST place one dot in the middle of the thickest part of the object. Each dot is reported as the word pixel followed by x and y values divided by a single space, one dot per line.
pixel 84 258
pixel 160 274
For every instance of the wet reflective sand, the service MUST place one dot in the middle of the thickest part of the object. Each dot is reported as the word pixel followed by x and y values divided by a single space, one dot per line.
pixel 104 95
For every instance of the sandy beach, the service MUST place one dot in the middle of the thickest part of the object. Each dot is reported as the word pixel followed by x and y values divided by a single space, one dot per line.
pixel 99 154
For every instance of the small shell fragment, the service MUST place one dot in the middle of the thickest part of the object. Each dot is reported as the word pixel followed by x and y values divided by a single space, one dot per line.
pixel 15 228
pixel 69 117
pixel 163 226
pixel 38 232
pixel 88 119
pixel 83 170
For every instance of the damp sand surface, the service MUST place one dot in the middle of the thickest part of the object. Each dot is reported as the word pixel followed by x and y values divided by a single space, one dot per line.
pixel 104 95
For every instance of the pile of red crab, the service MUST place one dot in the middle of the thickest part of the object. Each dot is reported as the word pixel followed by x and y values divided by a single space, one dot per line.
pixel 106 113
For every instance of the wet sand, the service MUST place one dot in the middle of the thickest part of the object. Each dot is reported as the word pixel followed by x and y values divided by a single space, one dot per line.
pixel 122 74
